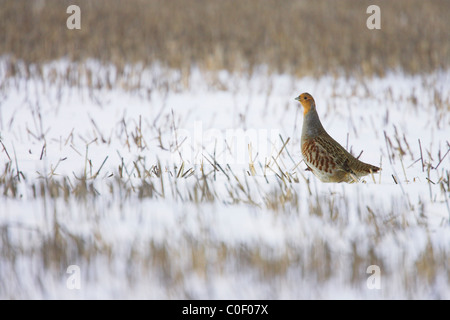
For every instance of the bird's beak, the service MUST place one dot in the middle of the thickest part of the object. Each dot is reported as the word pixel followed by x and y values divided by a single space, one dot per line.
pixel 298 98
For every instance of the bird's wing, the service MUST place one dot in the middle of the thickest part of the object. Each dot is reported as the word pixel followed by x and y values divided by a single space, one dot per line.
pixel 330 147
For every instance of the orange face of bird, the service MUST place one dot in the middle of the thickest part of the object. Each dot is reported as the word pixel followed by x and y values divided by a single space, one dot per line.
pixel 307 102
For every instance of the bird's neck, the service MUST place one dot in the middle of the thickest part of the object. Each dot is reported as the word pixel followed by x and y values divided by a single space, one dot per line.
pixel 311 124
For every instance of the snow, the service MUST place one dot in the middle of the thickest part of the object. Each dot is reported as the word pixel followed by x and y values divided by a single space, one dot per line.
pixel 244 243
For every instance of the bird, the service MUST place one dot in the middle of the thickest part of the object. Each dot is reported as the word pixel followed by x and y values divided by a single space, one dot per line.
pixel 323 155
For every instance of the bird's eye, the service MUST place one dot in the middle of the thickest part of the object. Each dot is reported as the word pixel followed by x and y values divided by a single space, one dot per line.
pixel 306 98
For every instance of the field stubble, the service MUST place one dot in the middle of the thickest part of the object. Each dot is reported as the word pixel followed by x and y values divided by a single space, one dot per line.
pixel 111 189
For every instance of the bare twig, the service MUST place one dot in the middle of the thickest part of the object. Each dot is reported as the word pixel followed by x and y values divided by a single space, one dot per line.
pixel 6 151
pixel 421 156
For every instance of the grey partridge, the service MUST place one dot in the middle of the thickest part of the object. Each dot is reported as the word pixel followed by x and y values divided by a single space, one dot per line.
pixel 323 155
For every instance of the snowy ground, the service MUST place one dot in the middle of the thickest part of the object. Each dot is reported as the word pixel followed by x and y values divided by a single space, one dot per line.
pixel 166 185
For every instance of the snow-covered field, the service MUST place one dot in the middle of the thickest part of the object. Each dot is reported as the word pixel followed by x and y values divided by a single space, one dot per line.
pixel 166 185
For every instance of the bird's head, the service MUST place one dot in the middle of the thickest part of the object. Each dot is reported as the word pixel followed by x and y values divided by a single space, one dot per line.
pixel 307 102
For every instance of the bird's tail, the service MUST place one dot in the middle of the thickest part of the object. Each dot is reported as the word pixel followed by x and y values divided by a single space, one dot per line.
pixel 365 168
